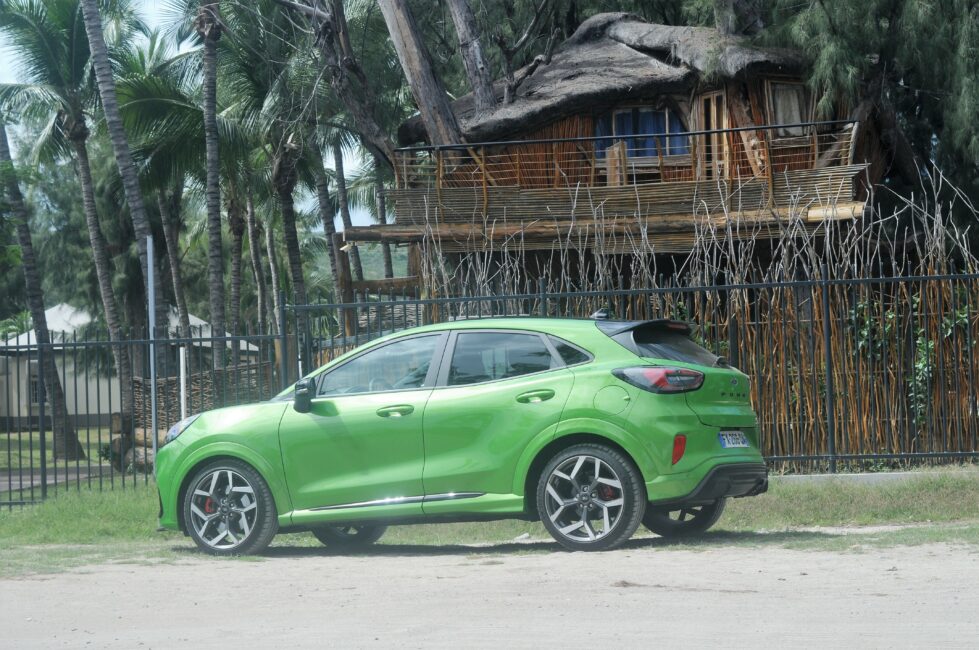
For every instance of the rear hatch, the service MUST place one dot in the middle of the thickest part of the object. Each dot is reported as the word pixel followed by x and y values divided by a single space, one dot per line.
pixel 724 399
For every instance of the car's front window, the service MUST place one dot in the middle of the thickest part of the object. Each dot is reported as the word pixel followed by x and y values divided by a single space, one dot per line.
pixel 402 365
pixel 485 356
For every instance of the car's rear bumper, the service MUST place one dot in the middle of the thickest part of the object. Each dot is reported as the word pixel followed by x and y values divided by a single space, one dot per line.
pixel 727 480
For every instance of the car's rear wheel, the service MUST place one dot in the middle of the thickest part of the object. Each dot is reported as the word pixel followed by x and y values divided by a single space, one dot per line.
pixel 590 498
pixel 673 521
pixel 349 536
pixel 229 509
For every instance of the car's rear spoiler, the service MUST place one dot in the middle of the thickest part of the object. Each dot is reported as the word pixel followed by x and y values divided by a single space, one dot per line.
pixel 613 328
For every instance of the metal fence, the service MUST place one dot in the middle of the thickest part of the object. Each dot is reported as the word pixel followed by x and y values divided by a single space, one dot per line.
pixel 862 373
pixel 113 423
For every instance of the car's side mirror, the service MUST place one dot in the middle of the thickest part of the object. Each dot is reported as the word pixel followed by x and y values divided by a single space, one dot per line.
pixel 303 400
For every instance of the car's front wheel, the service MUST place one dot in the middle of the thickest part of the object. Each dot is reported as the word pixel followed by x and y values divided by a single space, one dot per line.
pixel 229 510
pixel 590 498
pixel 679 521
pixel 349 537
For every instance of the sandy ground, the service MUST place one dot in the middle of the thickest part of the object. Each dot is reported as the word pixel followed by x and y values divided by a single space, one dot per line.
pixel 502 597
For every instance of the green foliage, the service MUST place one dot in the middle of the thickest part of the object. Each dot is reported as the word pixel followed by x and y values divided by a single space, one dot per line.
pixel 919 58
pixel 873 333
pixel 14 325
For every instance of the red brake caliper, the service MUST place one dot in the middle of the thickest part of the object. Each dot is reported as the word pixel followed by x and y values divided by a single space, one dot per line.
pixel 209 505
pixel 606 491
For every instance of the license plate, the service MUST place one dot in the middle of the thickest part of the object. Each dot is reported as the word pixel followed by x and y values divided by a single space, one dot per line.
pixel 731 439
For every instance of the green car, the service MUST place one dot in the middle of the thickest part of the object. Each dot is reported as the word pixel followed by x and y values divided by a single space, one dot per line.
pixel 591 426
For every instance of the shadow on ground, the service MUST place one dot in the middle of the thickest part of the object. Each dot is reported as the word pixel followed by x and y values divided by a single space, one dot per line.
pixel 706 541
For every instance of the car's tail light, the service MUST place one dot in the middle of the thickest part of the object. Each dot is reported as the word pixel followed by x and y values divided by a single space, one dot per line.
pixel 679 446
pixel 661 379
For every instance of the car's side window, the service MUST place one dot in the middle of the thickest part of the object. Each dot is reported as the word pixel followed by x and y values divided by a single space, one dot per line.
pixel 571 354
pixel 401 365
pixel 485 356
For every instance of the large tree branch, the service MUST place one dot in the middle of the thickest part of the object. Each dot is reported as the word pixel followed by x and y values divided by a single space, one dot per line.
pixel 345 73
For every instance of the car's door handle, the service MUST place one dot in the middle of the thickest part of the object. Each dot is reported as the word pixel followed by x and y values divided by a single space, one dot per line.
pixel 534 396
pixel 396 411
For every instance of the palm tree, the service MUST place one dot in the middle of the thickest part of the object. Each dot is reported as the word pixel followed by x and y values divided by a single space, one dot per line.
pixel 208 26
pixel 263 79
pixel 51 40
pixel 66 443
pixel 341 181
pixel 158 109
pixel 117 134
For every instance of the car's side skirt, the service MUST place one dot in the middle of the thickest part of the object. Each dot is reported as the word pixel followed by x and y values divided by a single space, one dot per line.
pixel 452 504
pixel 428 498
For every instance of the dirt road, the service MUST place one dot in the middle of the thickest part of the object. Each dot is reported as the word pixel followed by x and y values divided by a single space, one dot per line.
pixel 646 595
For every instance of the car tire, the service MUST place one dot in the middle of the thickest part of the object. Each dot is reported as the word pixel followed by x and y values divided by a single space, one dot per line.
pixel 682 521
pixel 228 509
pixel 348 537
pixel 590 483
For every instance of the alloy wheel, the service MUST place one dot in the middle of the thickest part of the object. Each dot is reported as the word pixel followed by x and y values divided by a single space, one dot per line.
pixel 584 498
pixel 223 509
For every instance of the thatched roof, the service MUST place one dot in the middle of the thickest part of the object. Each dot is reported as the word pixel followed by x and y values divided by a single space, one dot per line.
pixel 611 58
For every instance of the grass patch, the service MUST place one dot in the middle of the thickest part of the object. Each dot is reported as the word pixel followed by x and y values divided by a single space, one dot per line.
pixel 84 517
pixel 88 526
pixel 951 495
pixel 23 449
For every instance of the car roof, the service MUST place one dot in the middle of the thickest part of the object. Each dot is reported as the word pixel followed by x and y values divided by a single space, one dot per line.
pixel 547 325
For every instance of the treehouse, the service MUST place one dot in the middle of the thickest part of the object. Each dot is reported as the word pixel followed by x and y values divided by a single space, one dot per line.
pixel 633 135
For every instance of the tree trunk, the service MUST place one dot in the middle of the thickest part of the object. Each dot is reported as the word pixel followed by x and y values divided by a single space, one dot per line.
pixel 477 71
pixel 209 27
pixel 66 443
pixel 382 218
pixel 293 254
pixel 113 122
pixel 103 273
pixel 170 206
pixel 274 274
pixel 328 217
pixel 430 96
pixel 255 253
pixel 342 199
pixel 237 227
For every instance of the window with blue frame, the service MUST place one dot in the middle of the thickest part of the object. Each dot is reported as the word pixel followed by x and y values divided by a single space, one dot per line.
pixel 647 132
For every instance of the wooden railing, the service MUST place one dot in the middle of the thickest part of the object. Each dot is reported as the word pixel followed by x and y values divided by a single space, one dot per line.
pixel 760 152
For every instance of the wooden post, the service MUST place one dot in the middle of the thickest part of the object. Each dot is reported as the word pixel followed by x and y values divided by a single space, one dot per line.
pixel 349 316
pixel 659 152
pixel 769 173
pixel 853 143
pixel 694 143
pixel 594 164
pixel 557 167
pixel 482 166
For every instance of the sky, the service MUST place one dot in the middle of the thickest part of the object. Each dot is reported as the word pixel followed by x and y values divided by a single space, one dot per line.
pixel 150 10
pixel 153 13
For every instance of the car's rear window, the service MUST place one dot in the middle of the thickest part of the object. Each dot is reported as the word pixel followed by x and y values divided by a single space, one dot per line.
pixel 656 341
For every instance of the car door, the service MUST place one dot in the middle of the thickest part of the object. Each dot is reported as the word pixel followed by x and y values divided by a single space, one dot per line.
pixel 496 391
pixel 361 444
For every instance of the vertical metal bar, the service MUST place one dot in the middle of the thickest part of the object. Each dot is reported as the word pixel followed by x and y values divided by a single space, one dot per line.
pixel 828 353
pixel 283 342
pixel 182 356
pixel 151 320
pixel 541 290
pixel 41 392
